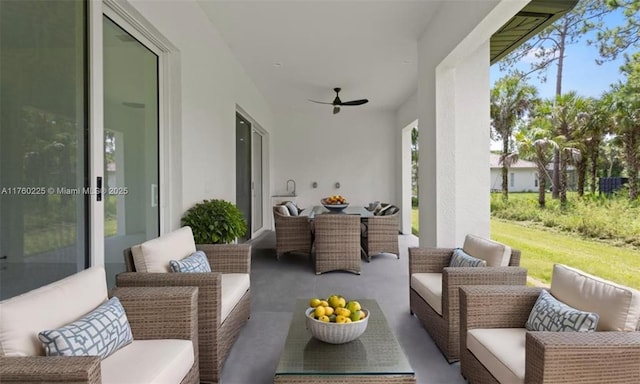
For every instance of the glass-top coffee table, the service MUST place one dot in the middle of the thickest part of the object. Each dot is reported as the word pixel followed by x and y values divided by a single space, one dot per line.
pixel 375 357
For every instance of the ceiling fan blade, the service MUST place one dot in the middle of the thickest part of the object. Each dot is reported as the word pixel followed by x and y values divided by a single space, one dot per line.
pixel 355 102
pixel 336 109
pixel 320 102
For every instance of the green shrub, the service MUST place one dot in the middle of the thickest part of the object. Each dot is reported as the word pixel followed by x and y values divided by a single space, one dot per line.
pixel 215 222
pixel 594 216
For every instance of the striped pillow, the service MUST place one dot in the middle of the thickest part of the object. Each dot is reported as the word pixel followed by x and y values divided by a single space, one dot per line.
pixel 462 259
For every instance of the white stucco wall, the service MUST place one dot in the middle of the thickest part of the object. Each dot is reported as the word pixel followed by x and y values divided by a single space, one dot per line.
pixel 212 85
pixel 355 148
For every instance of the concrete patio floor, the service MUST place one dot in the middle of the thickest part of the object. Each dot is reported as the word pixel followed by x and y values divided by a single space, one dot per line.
pixel 276 284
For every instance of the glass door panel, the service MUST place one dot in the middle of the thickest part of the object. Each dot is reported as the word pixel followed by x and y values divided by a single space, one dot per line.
pixel 131 201
pixel 43 143
pixel 243 170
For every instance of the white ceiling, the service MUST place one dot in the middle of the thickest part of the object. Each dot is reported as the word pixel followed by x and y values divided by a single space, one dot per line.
pixel 297 50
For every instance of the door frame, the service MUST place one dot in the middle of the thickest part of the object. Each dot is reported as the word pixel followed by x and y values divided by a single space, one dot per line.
pixel 169 116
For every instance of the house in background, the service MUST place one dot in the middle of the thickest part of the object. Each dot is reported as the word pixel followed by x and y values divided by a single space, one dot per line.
pixel 522 177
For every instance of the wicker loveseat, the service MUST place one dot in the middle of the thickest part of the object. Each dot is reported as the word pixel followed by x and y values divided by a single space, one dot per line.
pixel 224 294
pixel 433 291
pixel 496 347
pixel 163 322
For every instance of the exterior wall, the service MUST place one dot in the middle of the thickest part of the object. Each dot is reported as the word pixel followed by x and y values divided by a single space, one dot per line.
pixel 212 85
pixel 524 180
pixel 358 149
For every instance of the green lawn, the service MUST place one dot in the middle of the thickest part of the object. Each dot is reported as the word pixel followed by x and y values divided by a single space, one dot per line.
pixel 541 249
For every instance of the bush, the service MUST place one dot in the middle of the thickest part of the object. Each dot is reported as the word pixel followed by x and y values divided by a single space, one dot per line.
pixel 215 222
pixel 592 216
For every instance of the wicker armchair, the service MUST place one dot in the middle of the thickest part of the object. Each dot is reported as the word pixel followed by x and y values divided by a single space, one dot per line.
pixel 215 337
pixel 337 242
pixel 549 357
pixel 443 323
pixel 293 233
pixel 381 235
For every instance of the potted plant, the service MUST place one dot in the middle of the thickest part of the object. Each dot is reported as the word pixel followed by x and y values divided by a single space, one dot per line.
pixel 215 222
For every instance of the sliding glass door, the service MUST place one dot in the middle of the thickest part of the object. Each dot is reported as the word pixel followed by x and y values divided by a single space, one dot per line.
pixel 43 143
pixel 131 167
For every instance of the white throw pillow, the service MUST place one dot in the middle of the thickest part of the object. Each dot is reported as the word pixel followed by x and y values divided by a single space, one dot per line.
pixel 155 255
pixel 617 305
pixel 496 254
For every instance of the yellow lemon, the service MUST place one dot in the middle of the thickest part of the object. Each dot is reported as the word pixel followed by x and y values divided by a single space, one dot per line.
pixel 314 302
pixel 328 311
pixel 362 315
pixel 347 320
pixel 324 319
pixel 334 301
pixel 341 319
pixel 353 306
pixel 324 303
pixel 319 312
pixel 343 301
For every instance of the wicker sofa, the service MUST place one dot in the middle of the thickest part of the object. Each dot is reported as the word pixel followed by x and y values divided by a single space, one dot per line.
pixel 433 285
pixel 163 322
pixel 497 348
pixel 224 295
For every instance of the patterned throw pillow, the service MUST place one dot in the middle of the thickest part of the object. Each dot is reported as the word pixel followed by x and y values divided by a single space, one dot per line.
pixel 462 259
pixel 99 333
pixel 550 314
pixel 195 263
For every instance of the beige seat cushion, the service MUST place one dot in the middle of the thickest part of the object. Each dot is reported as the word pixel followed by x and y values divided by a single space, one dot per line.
pixel 149 361
pixel 495 254
pixel 501 351
pixel 429 287
pixel 618 306
pixel 234 286
pixel 154 255
pixel 49 307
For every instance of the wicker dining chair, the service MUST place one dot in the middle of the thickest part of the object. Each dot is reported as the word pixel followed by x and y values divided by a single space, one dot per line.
pixel 337 242
pixel 380 235
pixel 293 233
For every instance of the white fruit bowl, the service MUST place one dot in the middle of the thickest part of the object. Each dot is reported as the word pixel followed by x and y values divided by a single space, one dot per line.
pixel 335 333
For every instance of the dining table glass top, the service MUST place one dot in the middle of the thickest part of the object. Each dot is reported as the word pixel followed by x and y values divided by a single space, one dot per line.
pixel 350 210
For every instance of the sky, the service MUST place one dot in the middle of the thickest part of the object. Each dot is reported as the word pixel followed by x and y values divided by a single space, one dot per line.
pixel 581 73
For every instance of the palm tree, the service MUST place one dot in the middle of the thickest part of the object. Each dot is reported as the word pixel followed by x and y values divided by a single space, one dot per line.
pixel 535 144
pixel 568 113
pixel 511 100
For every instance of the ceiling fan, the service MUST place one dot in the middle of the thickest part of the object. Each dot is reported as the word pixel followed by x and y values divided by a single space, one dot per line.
pixel 337 103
